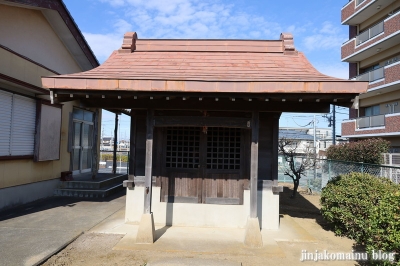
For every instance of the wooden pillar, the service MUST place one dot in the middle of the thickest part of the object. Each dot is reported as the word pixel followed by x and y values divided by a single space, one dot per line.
pixel 114 169
pixel 95 151
pixel 149 161
pixel 253 236
pixel 254 163
pixel 132 148
pixel 275 140
pixel 146 230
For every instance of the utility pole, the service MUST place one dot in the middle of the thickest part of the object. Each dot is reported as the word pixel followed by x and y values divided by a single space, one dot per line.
pixel 334 125
pixel 114 169
pixel 315 148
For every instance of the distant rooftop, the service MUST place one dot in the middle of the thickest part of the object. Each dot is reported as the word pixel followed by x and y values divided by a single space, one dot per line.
pixel 295 134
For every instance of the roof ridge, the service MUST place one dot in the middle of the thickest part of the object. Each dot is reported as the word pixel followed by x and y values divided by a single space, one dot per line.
pixel 284 45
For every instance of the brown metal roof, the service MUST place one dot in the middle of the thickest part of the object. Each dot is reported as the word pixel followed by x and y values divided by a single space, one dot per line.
pixel 206 66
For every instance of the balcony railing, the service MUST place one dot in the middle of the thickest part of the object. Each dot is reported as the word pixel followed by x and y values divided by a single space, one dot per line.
pixel 372 75
pixel 371 121
pixel 370 33
pixel 358 2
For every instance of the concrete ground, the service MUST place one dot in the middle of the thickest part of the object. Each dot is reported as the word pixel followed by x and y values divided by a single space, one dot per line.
pixel 33 232
pixel 220 246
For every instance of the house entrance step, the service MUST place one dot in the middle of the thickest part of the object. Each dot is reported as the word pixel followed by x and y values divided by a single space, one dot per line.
pixel 84 187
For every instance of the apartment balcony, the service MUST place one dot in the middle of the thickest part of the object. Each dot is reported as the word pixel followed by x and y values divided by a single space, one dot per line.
pixel 372 126
pixel 370 121
pixel 383 35
pixel 382 80
pixel 371 76
pixel 357 11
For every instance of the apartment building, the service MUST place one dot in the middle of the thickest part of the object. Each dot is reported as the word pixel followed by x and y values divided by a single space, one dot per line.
pixel 373 54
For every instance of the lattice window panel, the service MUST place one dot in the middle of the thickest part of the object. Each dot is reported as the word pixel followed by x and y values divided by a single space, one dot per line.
pixel 223 148
pixel 183 147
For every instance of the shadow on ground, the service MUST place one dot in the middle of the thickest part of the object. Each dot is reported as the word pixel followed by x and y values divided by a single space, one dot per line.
pixel 300 206
pixel 52 202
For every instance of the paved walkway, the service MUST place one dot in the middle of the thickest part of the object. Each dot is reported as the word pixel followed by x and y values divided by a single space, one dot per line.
pixel 29 235
pixel 33 232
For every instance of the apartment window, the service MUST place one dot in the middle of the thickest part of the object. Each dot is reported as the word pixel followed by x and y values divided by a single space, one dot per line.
pixel 392 60
pixel 372 110
pixel 17 124
pixel 368 69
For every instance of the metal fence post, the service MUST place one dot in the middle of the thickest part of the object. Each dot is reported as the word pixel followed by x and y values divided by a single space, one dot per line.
pixel 127 163
pixel 362 167
pixel 329 169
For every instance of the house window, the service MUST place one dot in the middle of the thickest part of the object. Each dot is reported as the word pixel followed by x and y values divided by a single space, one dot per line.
pixel 183 147
pixel 82 140
pixel 372 110
pixel 17 124
pixel 223 148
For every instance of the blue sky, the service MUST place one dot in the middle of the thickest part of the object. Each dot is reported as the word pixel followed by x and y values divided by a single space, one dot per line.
pixel 315 25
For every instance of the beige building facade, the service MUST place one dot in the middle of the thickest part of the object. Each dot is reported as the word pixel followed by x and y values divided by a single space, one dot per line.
pixel 39 38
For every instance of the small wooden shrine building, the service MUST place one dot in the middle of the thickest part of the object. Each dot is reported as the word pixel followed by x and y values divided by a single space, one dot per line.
pixel 204 124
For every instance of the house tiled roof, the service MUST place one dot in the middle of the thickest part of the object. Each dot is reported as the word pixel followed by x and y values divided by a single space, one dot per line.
pixel 206 66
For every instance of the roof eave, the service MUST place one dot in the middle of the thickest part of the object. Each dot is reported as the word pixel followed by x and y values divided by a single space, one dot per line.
pixel 189 86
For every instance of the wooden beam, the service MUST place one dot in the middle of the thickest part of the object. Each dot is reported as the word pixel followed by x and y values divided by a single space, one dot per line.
pixel 149 161
pixel 208 104
pixel 113 94
pixel 114 169
pixel 201 121
pixel 255 121
pixel 120 111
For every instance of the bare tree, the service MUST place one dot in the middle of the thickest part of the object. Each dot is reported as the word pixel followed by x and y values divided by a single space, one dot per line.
pixel 298 162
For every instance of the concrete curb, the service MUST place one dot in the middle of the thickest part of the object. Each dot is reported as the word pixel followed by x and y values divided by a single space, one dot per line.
pixel 43 260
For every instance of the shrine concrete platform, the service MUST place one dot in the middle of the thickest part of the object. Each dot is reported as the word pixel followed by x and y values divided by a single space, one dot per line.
pixel 202 240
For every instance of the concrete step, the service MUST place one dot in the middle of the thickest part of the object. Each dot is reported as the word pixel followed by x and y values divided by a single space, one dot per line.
pixel 93 184
pixel 89 193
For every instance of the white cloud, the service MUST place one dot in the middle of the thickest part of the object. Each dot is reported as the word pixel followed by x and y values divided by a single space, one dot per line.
pixel 193 19
pixel 337 70
pixel 103 44
pixel 114 3
pixel 204 19
pixel 327 37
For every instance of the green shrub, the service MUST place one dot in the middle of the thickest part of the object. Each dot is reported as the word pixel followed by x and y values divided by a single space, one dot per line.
pixel 367 151
pixel 384 233
pixel 364 208
pixel 109 156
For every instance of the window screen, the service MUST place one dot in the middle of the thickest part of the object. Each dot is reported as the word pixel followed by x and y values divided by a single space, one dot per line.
pixel 17 124
pixel 223 148
pixel 183 147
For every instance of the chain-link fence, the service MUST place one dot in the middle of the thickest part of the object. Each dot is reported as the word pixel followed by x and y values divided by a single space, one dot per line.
pixel 327 169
